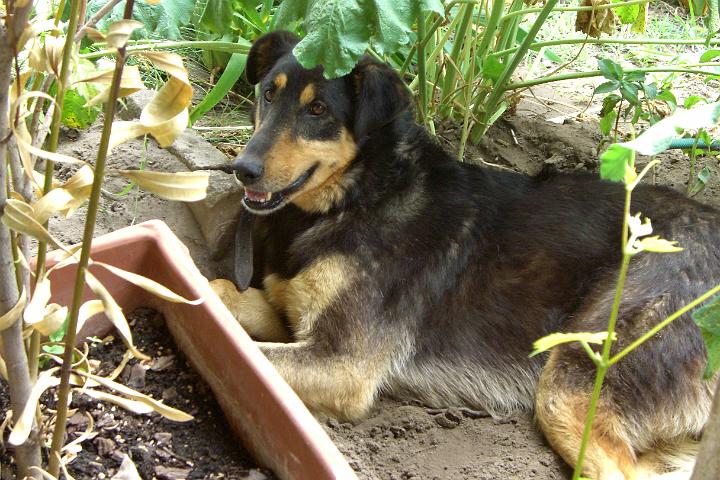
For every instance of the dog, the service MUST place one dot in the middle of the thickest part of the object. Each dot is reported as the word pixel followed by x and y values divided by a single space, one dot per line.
pixel 378 264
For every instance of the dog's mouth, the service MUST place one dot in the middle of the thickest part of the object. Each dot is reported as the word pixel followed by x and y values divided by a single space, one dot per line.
pixel 266 202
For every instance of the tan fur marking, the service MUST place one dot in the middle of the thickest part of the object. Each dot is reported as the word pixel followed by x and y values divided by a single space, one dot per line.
pixel 339 386
pixel 304 297
pixel 308 94
pixel 280 81
pixel 561 416
pixel 252 311
pixel 290 158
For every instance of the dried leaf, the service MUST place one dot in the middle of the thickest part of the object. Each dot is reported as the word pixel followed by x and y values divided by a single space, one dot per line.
pixel 183 186
pixel 34 312
pixel 87 310
pixel 149 285
pixel 14 313
pixel 83 436
pixel 95 35
pixel 161 408
pixel 23 426
pixel 114 313
pixel 19 216
pixel 166 116
pixel 130 82
pixel 130 405
pixel 54 318
pixel 127 470
pixel 657 245
pixel 53 201
pixel 595 22
pixel 3 373
pixel 47 56
pixel 119 32
pixel 124 131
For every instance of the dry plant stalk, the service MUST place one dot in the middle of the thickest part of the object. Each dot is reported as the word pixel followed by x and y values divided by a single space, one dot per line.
pixel 30 200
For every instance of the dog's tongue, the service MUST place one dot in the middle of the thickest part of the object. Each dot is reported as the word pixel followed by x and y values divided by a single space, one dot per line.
pixel 258 196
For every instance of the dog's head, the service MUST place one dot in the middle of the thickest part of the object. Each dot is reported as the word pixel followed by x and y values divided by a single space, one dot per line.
pixel 308 128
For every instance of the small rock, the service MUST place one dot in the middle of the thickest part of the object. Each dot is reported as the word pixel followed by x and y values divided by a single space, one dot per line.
pixel 255 475
pixel 435 411
pixel 171 473
pixel 104 446
pixel 162 363
pixel 374 447
pixel 454 414
pixel 136 379
pixel 77 420
pixel 169 394
pixel 398 432
pixel 332 423
pixel 470 413
pixel 444 421
pixel 162 437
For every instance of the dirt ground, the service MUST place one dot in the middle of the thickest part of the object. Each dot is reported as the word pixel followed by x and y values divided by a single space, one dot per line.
pixel 403 441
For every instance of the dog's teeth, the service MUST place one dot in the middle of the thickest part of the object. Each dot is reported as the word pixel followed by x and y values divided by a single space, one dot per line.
pixel 268 196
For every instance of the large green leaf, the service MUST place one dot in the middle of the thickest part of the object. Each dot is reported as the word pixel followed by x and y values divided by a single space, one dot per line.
pixel 708 319
pixel 164 20
pixel 339 31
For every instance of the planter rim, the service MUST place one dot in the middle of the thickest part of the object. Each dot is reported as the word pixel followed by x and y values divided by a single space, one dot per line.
pixel 309 436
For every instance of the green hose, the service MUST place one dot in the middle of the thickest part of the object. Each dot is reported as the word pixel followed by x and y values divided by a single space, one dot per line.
pixel 688 143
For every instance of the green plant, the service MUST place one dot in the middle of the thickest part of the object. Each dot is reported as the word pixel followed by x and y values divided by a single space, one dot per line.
pixel 618 164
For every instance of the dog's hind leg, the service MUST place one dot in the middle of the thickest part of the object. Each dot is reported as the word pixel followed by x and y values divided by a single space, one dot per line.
pixel 653 403
pixel 560 413
pixel 252 311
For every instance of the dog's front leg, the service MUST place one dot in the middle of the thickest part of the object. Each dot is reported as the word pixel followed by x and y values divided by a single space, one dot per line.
pixel 340 385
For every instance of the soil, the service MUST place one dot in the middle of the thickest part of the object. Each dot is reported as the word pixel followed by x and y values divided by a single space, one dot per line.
pixel 397 440
pixel 203 448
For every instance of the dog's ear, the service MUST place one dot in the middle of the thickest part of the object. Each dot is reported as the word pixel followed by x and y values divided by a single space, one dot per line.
pixel 380 96
pixel 267 50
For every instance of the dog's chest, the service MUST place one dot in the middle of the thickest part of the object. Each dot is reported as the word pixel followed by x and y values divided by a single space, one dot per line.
pixel 306 296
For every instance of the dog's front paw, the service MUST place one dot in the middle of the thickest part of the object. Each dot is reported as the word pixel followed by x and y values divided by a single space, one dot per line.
pixel 252 311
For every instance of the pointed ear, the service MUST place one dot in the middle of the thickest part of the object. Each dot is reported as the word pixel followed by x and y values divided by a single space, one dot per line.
pixel 267 50
pixel 380 96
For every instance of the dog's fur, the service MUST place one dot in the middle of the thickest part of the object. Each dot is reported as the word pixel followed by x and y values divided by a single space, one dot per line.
pixel 388 267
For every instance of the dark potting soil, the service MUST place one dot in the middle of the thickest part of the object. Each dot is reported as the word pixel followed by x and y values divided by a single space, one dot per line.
pixel 203 448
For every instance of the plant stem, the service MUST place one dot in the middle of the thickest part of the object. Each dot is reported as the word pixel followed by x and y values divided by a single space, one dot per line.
pixel 602 41
pixel 490 104
pixel 448 84
pixel 71 335
pixel 597 73
pixel 693 158
pixel 229 47
pixel 604 364
pixel 104 10
pixel 573 9
pixel 27 455
pixel 422 87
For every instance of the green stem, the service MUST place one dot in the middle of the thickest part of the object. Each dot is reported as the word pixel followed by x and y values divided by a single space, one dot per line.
pixel 602 41
pixel 693 159
pixel 422 87
pixel 527 11
pixel 94 202
pixel 229 47
pixel 448 83
pixel 603 364
pixel 49 164
pixel 597 73
pixel 490 104
pixel 650 333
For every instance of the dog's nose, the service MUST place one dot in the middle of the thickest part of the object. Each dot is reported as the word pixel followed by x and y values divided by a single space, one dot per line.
pixel 248 168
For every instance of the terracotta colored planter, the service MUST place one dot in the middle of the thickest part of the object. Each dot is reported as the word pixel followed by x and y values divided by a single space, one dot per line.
pixel 273 422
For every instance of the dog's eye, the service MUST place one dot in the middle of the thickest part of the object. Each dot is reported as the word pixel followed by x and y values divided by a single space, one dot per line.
pixel 268 95
pixel 317 108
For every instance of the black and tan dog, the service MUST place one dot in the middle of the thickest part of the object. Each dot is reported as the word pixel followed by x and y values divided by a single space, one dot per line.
pixel 382 265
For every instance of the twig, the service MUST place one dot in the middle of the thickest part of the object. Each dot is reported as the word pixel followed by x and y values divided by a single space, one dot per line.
pixel 96 18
